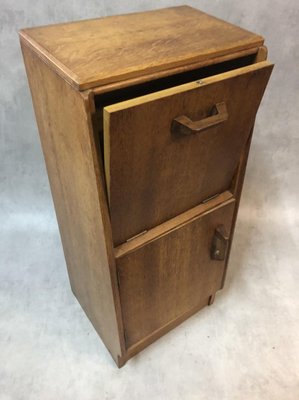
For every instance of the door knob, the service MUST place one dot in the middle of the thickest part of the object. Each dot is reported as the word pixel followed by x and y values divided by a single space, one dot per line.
pixel 219 243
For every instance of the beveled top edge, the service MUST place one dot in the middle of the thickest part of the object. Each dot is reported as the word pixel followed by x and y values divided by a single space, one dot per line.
pixel 81 79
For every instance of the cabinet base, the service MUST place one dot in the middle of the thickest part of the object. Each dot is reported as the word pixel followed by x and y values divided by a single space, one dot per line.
pixel 142 344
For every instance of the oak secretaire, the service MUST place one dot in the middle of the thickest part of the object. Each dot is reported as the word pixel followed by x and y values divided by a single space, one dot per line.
pixel 145 122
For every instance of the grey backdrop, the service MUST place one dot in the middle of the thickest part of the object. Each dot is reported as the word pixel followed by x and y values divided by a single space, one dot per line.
pixel 245 346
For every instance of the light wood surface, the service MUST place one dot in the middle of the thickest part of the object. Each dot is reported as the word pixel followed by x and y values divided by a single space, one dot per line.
pixel 150 77
pixel 142 156
pixel 171 275
pixel 94 52
pixel 74 172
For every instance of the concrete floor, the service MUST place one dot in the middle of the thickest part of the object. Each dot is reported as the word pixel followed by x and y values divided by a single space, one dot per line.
pixel 246 346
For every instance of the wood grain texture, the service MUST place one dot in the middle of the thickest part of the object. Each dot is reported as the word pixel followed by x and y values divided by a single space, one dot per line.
pixel 95 52
pixel 142 156
pixel 174 223
pixel 74 172
pixel 155 335
pixel 149 77
pixel 171 275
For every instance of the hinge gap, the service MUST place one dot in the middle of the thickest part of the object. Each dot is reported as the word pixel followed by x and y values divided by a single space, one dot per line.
pixel 136 236
pixel 125 336
pixel 210 198
pixel 118 278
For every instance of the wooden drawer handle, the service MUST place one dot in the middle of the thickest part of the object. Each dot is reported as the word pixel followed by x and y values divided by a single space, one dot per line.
pixel 219 244
pixel 185 126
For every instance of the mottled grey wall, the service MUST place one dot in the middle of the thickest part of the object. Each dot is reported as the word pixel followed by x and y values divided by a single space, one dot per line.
pixel 246 345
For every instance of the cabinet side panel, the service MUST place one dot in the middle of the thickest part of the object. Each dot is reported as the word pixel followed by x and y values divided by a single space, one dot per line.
pixel 238 181
pixel 64 126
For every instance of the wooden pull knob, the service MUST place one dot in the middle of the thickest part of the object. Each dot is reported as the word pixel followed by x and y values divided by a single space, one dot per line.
pixel 219 244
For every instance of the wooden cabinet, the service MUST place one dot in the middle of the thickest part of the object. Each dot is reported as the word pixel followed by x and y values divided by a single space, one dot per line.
pixel 145 122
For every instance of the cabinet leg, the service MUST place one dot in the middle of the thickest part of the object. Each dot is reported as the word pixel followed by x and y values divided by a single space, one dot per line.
pixel 211 299
pixel 121 361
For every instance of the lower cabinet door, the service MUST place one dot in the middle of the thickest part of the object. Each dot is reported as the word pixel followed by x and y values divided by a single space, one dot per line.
pixel 173 275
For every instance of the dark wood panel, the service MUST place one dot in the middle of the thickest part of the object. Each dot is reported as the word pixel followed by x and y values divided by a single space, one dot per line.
pixel 153 175
pixel 168 277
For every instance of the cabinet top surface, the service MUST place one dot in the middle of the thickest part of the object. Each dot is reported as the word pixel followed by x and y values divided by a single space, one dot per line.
pixel 95 52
